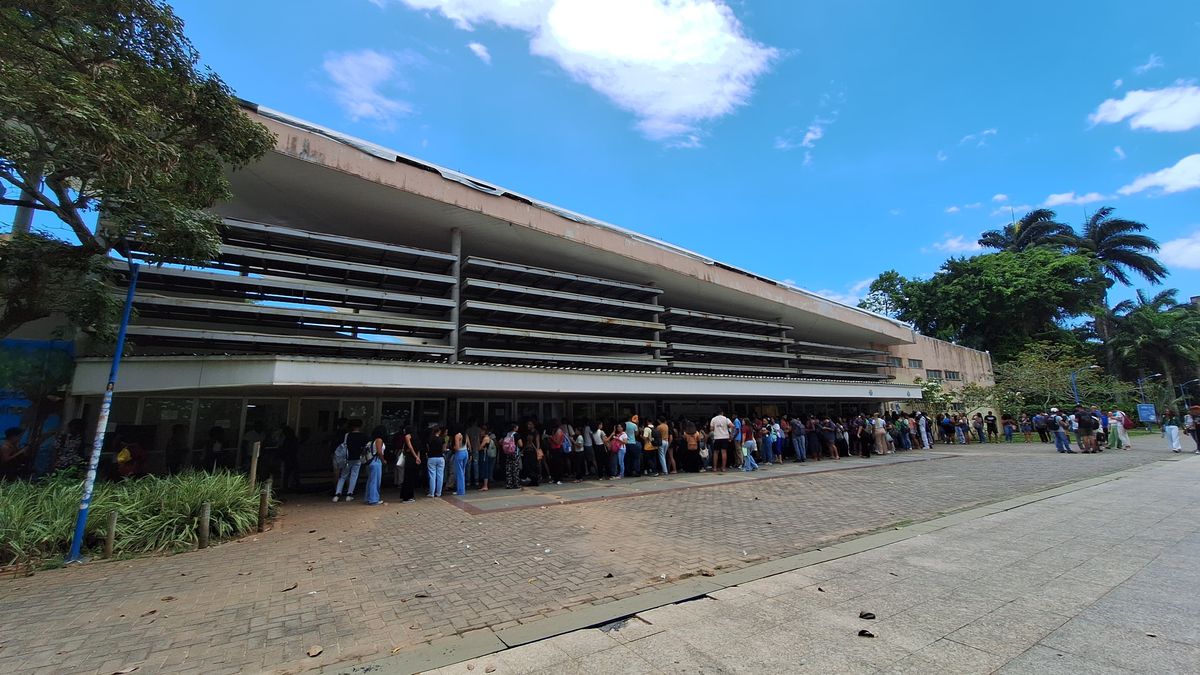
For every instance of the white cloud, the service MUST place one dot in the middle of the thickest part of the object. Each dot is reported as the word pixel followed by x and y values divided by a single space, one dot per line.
pixel 358 80
pixel 851 296
pixel 1000 197
pixel 676 66
pixel 1174 108
pixel 1182 252
pixel 1117 83
pixel 980 139
pixel 792 139
pixel 952 209
pixel 973 205
pixel 1061 198
pixel 1151 63
pixel 942 156
pixel 957 244
pixel 1119 152
pixel 480 50
pixel 1185 175
pixel 1017 209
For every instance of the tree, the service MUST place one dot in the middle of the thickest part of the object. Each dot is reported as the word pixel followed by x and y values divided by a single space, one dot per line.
pixel 104 101
pixel 1040 377
pixel 1156 334
pixel 934 395
pixel 1036 228
pixel 885 295
pixel 1002 301
pixel 1122 250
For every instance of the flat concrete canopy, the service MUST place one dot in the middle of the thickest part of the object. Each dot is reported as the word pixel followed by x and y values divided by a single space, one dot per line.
pixel 319 181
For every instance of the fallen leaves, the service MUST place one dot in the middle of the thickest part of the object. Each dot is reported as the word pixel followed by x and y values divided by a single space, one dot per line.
pixel 315 651
pixel 167 598
pixel 291 588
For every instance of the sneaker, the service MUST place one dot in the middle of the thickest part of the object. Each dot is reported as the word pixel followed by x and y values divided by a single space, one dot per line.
pixel 408 501
pixel 335 499
pixel 349 498
pixel 430 495
pixel 558 482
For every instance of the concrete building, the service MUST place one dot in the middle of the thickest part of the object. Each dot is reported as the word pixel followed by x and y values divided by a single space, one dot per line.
pixel 358 282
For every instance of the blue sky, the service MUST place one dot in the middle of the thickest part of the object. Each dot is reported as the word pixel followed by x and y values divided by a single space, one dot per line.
pixel 814 142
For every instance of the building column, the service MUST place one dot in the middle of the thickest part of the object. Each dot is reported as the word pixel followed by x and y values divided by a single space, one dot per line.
pixel 456 272
pixel 657 336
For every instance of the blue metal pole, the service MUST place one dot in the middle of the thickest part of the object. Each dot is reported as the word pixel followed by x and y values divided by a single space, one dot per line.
pixel 1074 386
pixel 89 480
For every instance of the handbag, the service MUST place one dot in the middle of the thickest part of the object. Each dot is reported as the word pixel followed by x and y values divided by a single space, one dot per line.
pixel 400 460
pixel 704 452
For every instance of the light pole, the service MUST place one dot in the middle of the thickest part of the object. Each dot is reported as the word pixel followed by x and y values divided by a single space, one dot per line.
pixel 1183 391
pixel 1142 390
pixel 1075 383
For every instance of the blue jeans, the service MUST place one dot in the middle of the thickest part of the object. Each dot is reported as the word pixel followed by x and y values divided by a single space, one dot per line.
pixel 473 467
pixel 616 463
pixel 748 463
pixel 374 476
pixel 905 441
pixel 959 437
pixel 662 456
pixel 633 452
pixel 799 449
pixel 348 478
pixel 436 470
pixel 460 471
pixel 1062 442
pixel 487 465
pixel 768 450
pixel 1008 432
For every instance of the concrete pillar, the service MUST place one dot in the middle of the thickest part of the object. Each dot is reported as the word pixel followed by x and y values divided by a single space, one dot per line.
pixel 455 291
pixel 657 336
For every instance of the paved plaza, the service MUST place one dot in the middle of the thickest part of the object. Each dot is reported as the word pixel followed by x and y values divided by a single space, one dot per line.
pixel 381 583
pixel 1099 579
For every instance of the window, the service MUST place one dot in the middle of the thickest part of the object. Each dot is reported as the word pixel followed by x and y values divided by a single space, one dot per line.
pixel 895 362
pixel 916 363
pixel 933 375
pixel 953 375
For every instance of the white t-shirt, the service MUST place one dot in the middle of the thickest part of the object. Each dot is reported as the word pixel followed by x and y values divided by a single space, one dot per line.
pixel 598 437
pixel 720 427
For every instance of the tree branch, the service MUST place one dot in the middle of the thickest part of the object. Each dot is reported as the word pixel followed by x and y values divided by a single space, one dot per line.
pixel 71 217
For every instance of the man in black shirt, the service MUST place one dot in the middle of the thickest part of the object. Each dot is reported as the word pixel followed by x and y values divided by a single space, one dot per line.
pixel 990 421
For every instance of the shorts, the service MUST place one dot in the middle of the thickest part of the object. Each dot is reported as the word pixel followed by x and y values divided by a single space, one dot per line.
pixel 1086 434
pixel 722 445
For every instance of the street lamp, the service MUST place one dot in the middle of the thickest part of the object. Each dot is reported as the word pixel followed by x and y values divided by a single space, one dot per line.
pixel 1183 391
pixel 1075 384
pixel 1141 390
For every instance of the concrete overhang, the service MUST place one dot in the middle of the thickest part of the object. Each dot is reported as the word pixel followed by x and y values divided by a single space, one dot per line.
pixel 319 180
pixel 217 375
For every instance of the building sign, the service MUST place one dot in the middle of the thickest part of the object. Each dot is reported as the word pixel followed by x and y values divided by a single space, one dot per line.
pixel 1147 413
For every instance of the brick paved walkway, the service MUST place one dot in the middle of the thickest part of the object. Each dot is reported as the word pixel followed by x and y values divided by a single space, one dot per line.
pixel 368 581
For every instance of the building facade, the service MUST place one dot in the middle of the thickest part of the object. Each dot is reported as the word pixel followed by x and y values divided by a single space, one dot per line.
pixel 358 282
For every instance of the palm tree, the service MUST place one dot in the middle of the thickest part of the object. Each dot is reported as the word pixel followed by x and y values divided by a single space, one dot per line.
pixel 1120 248
pixel 1157 334
pixel 1036 228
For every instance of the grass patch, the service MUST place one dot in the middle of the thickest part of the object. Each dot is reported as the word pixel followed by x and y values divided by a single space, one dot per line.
pixel 154 514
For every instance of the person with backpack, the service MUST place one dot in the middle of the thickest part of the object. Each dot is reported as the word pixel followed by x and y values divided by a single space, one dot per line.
pixel 510 446
pixel 1123 423
pixel 1057 425
pixel 347 457
pixel 649 450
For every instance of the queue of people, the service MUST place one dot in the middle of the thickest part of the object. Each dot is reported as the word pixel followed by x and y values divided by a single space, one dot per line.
pixel 445 459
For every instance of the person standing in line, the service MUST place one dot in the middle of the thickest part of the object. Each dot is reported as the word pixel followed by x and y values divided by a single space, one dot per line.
pixel 1057 425
pixel 605 461
pixel 749 445
pixel 531 454
pixel 473 436
pixel 666 453
pixel 590 466
pixel 1189 428
pixel 1010 426
pixel 618 447
pixel 375 467
pixel 435 460
pixel 989 421
pixel 1040 426
pixel 402 441
pixel 511 447
pixel 1026 426
pixel 721 429
pixel 799 442
pixel 1085 430
pixel 1170 429
pixel 578 455
pixel 459 456
pixel 633 450
pixel 487 456
pixel 347 458
pixel 1121 419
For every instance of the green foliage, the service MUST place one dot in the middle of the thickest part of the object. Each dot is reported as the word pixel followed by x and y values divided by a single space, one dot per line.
pixel 40 275
pixel 1036 228
pixel 106 100
pixel 1039 377
pixel 1154 334
pixel 935 397
pixel 154 515
pixel 885 295
pixel 998 302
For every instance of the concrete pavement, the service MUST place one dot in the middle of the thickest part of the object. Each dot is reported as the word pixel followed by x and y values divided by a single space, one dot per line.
pixel 1099 579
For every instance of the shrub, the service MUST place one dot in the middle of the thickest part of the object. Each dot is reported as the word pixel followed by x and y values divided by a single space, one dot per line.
pixel 154 514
